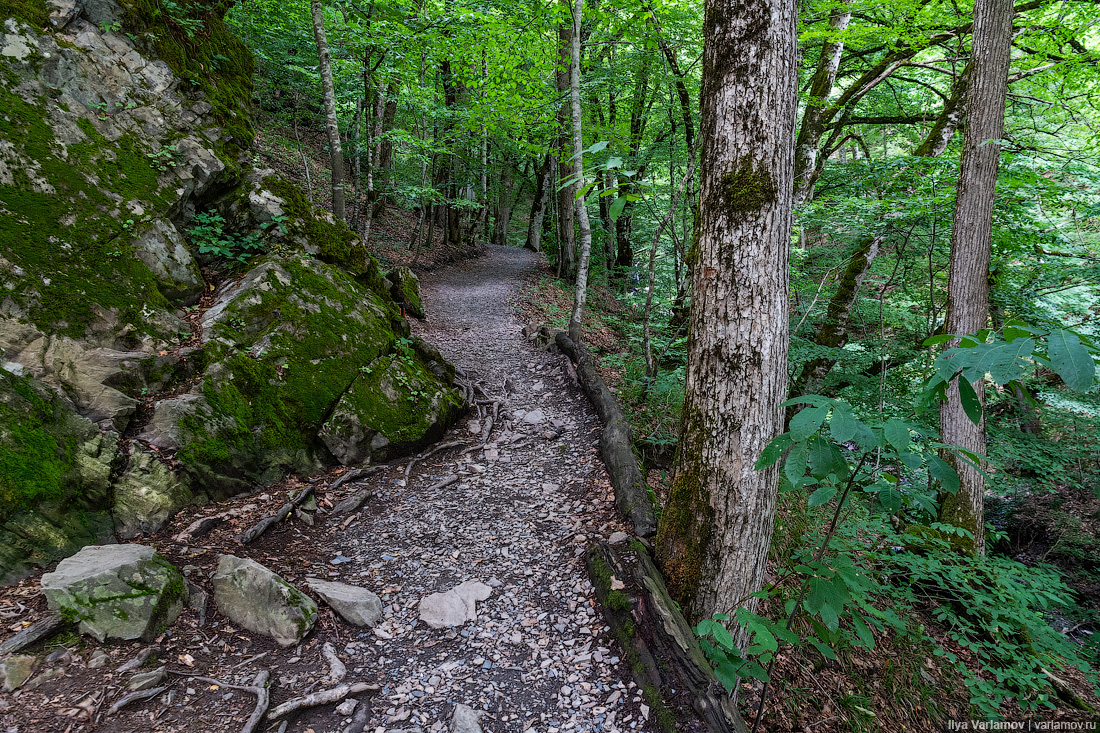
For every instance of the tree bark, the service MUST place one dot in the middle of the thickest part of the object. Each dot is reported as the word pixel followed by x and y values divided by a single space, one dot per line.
pixel 567 237
pixel 817 113
pixel 503 218
pixel 332 125
pixel 949 120
pixel 584 228
pixel 538 207
pixel 713 536
pixel 968 278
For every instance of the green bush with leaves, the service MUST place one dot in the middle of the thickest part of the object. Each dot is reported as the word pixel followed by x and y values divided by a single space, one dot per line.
pixel 207 232
pixel 855 575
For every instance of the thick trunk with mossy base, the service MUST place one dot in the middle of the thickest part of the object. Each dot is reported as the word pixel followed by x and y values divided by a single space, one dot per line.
pixel 968 279
pixel 713 536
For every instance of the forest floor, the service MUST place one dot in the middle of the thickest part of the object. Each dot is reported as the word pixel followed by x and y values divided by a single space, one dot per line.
pixel 518 516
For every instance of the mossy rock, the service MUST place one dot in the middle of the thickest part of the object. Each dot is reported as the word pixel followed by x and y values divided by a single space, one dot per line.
pixel 405 290
pixel 398 404
pixel 121 592
pixel 55 469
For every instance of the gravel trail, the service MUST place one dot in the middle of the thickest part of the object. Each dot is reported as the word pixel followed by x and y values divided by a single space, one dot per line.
pixel 538 657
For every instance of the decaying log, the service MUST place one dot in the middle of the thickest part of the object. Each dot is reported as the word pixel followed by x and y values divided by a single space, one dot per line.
pixel 31 634
pixel 657 641
pixel 322 697
pixel 265 524
pixel 631 497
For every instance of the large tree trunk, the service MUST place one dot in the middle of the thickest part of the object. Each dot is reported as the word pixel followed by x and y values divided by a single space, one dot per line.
pixel 538 207
pixel 583 226
pixel 713 536
pixel 968 279
pixel 332 125
pixel 817 113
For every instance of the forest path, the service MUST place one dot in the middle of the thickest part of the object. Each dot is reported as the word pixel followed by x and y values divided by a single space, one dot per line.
pixel 538 656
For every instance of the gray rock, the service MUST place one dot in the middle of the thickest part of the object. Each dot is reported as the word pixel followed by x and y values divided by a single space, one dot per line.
pixel 261 601
pixel 347 707
pixel 454 607
pixel 617 538
pixel 146 494
pixel 117 591
pixel 63 12
pixel 147 680
pixel 16 671
pixel 357 606
pixel 534 417
pixel 163 251
pixel 465 719
pixel 98 659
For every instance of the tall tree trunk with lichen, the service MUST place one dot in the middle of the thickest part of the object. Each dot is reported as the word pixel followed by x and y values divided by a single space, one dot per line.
pixel 716 526
pixel 968 275
pixel 332 125
pixel 567 237
pixel 538 207
pixel 583 226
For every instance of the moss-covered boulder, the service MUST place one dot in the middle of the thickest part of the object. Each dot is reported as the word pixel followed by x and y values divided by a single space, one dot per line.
pixel 260 601
pixel 116 591
pixel 55 477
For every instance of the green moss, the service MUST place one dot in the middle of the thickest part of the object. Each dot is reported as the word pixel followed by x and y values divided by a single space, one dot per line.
pixel 70 241
pixel 745 190
pixel 32 12
pixel 684 534
pixel 335 243
pixel 211 60
pixel 664 718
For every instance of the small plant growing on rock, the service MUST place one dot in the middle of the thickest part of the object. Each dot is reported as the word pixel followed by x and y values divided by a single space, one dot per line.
pixel 209 235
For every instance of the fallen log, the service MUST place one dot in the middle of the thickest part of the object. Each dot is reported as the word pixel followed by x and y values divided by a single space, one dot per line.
pixel 631 495
pixel 32 633
pixel 658 643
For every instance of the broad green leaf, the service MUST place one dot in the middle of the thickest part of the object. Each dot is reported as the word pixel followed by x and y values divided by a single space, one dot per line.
pixel 1004 361
pixel 938 339
pixel 889 500
pixel 897 433
pixel 971 405
pixel 617 208
pixel 722 636
pixel 773 451
pixel 818 595
pixel 843 425
pixel 763 637
pixel 824 649
pixel 597 147
pixel 726 674
pixel 829 617
pixel 826 458
pixel 1071 359
pixel 822 495
pixel 795 466
pixel 944 473
pixel 863 632
pixel 807 421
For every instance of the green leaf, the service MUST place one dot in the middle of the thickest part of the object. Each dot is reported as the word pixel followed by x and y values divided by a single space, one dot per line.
pixel 795 466
pixel 723 637
pixel 763 637
pixel 863 632
pixel 944 473
pixel 826 458
pixel 617 208
pixel 597 147
pixel 807 421
pixel 773 451
pixel 824 649
pixel 897 433
pixel 829 617
pixel 726 674
pixel 822 495
pixel 889 500
pixel 971 405
pixel 942 338
pixel 1071 359
pixel 1004 361
pixel 843 425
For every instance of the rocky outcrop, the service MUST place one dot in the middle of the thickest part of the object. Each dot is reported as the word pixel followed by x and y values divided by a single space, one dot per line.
pixel 260 601
pixel 116 128
pixel 405 290
pixel 116 591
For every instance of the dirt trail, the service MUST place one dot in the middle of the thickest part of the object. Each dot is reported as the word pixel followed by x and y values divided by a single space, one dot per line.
pixel 517 517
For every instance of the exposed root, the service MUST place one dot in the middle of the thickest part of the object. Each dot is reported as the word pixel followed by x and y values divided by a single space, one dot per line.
pixel 265 524
pixel 136 697
pixel 323 697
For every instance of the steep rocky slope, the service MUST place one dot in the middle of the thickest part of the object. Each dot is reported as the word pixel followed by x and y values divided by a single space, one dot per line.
pixel 139 373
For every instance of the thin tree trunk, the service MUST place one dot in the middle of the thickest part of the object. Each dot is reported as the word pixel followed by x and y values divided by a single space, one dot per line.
pixel 580 295
pixel 714 533
pixel 305 163
pixel 968 279
pixel 332 126
pixel 567 238
pixel 816 114
pixel 937 140
pixel 538 207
